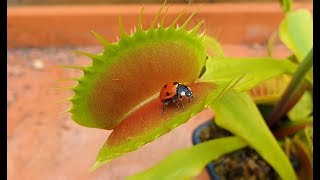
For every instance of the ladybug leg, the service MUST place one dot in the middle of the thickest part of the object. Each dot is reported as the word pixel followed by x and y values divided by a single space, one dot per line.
pixel 163 107
pixel 191 98
pixel 175 101
pixel 180 98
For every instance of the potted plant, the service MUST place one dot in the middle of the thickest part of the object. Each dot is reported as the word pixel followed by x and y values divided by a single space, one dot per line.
pixel 119 92
pixel 289 115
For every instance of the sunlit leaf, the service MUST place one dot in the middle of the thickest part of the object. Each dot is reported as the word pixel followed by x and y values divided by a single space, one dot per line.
pixel 286 5
pixel 238 114
pixel 293 92
pixel 292 127
pixel 302 109
pixel 293 58
pixel 213 47
pixel 270 91
pixel 305 159
pixel 271 41
pixel 296 32
pixel 146 123
pixel 257 70
pixel 188 163
pixel 309 135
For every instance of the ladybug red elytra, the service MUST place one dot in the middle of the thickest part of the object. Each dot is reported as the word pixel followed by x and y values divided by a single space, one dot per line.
pixel 173 92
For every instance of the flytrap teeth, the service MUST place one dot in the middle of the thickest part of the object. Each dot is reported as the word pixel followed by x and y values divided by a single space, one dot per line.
pixel 72 67
pixel 195 29
pixel 140 19
pixel 164 17
pixel 157 15
pixel 101 39
pixel 179 16
pixel 191 16
pixel 69 110
pixel 67 79
pixel 62 101
pixel 121 28
pixel 89 55
pixel 63 88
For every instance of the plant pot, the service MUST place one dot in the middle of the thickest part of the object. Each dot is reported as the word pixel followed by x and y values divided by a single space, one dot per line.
pixel 197 140
pixel 246 161
pixel 201 133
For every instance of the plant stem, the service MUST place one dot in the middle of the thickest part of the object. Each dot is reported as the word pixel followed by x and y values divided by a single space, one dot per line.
pixel 291 129
pixel 294 89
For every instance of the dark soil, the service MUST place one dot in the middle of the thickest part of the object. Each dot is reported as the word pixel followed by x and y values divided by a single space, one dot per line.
pixel 242 164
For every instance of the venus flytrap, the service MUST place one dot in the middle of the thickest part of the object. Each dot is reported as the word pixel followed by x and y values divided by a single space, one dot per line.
pixel 119 91
pixel 237 113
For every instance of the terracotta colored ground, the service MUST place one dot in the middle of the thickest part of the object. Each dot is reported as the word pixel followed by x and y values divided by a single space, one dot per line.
pixel 45 144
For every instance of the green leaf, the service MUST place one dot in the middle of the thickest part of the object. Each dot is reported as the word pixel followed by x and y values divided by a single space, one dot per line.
pixel 213 47
pixel 272 39
pixel 257 70
pixel 302 109
pixel 309 135
pixel 293 92
pixel 188 163
pixel 237 113
pixel 270 91
pixel 286 5
pixel 304 156
pixel 296 32
pixel 289 128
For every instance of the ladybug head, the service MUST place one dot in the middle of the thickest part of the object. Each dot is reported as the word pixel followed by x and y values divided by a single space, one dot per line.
pixel 189 93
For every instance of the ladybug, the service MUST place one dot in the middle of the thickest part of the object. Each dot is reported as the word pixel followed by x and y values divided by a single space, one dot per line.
pixel 173 92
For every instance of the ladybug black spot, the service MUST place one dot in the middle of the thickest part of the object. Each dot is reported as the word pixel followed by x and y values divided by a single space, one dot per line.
pixel 165 86
pixel 167 94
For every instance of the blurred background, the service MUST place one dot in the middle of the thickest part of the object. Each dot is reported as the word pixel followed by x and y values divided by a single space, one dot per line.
pixel 55 2
pixel 43 142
